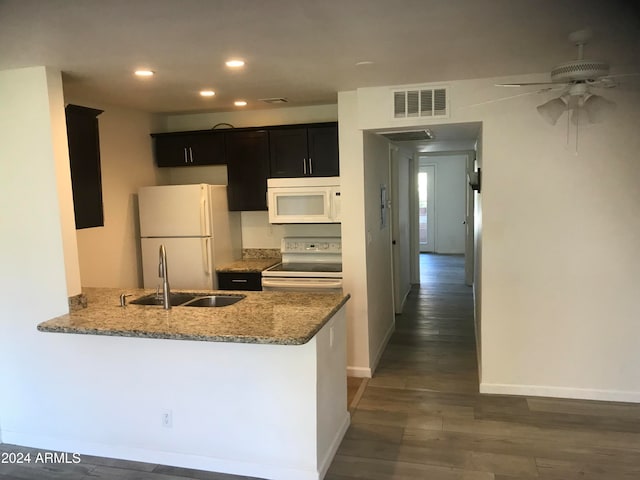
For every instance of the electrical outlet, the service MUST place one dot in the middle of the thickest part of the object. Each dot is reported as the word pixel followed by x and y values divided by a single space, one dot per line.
pixel 167 419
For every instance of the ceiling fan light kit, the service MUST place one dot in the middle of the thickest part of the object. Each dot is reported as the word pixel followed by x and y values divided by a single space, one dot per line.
pixel 598 108
pixel 552 110
pixel 575 79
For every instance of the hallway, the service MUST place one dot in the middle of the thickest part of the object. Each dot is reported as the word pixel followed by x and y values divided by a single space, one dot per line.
pixel 421 416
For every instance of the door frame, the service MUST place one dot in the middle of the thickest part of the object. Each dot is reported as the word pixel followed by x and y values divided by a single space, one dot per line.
pixel 469 216
pixel 432 221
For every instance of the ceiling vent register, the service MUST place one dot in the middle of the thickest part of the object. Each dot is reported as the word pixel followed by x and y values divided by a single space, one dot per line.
pixel 420 102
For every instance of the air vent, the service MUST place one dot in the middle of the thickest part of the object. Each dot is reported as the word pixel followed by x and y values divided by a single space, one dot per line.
pixel 274 100
pixel 420 102
pixel 408 135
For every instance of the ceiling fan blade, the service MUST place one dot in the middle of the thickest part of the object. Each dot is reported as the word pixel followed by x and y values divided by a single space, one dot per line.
pixel 528 84
pixel 502 99
pixel 620 75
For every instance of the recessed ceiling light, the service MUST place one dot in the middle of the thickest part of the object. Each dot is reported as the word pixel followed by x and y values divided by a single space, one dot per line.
pixel 363 63
pixel 144 73
pixel 240 103
pixel 234 63
pixel 207 93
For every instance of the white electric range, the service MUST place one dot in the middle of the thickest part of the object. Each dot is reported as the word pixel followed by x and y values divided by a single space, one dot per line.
pixel 308 264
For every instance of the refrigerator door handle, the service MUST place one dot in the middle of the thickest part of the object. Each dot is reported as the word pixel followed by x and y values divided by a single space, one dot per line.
pixel 206 247
pixel 205 231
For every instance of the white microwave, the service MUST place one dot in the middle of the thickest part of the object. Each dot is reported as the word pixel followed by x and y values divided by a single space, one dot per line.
pixel 304 200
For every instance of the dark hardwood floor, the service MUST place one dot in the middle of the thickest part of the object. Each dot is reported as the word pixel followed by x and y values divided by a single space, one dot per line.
pixel 421 416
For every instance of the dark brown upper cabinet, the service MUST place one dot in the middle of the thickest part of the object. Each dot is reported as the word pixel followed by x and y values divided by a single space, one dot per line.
pixel 300 151
pixel 189 149
pixel 84 157
pixel 247 169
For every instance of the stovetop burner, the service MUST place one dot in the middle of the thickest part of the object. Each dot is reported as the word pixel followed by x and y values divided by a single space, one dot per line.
pixel 307 267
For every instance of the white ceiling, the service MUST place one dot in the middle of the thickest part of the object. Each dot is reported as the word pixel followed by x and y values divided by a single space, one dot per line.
pixel 304 50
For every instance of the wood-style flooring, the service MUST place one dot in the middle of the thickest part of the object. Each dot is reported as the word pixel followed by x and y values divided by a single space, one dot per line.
pixel 421 417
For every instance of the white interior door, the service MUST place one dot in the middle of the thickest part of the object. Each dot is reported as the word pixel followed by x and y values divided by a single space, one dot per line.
pixel 189 262
pixel 426 208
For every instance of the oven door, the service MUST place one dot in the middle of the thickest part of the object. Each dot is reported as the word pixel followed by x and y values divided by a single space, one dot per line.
pixel 302 284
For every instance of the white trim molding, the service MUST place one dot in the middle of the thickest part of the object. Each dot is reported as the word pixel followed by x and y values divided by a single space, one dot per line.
pixel 560 392
pixel 359 372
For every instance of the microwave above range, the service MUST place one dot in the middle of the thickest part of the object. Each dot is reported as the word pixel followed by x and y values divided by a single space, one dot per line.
pixel 304 200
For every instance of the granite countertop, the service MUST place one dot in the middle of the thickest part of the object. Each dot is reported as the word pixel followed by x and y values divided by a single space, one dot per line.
pixel 281 318
pixel 248 265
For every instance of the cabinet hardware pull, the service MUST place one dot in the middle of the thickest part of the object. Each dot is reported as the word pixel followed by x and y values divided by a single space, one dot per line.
pixel 191 154
pixel 304 166
pixel 238 280
pixel 310 166
pixel 185 155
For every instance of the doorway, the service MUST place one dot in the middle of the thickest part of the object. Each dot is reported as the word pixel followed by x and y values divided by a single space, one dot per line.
pixel 426 208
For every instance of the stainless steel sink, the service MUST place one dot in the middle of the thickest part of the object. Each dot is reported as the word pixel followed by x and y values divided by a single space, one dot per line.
pixel 153 299
pixel 214 301
pixel 189 300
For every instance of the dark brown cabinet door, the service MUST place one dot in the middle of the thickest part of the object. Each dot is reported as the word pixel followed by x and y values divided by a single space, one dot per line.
pixel 247 155
pixel 323 151
pixel 304 151
pixel 84 159
pixel 187 150
pixel 288 152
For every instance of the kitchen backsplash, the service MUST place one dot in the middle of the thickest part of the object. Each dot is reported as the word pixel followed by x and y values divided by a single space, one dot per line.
pixel 260 253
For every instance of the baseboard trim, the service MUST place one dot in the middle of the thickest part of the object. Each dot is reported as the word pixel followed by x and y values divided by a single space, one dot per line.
pixel 359 372
pixel 356 398
pixel 383 345
pixel 403 302
pixel 333 448
pixel 560 392
pixel 266 471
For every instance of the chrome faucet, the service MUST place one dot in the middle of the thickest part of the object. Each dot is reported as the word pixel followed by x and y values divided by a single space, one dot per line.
pixel 164 274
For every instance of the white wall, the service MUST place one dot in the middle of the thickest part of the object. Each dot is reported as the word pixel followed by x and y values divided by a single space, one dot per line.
pixel 559 309
pixel 110 255
pixel 354 246
pixel 32 253
pixel 257 232
pixel 559 232
pixel 450 201
pixel 58 125
pixel 251 118
pixel 105 396
pixel 379 263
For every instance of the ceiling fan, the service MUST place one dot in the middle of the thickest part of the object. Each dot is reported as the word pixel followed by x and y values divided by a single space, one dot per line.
pixel 576 79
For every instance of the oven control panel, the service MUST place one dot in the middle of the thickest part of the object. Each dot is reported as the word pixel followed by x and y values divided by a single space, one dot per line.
pixel 311 245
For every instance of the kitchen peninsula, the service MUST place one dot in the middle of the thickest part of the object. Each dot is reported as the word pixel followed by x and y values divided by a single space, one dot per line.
pixel 256 388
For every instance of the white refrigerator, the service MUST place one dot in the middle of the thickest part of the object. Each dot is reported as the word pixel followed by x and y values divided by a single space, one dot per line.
pixel 196 228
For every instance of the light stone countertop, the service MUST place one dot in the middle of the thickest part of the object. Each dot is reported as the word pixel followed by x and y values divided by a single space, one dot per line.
pixel 248 265
pixel 281 318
